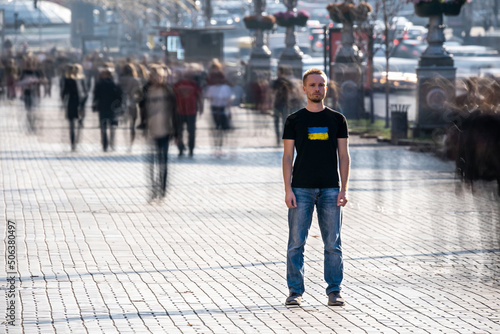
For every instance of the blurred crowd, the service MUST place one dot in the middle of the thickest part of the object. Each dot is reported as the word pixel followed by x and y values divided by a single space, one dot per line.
pixel 163 103
pixel 147 97
pixel 117 90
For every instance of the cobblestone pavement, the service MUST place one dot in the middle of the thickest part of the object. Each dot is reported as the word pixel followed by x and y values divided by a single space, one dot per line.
pixel 421 252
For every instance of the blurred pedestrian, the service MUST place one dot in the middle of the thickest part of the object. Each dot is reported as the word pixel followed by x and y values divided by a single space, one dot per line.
pixel 219 94
pixel 87 70
pixel 132 94
pixel 239 94
pixel 282 89
pixel 332 96
pixel 11 76
pixel 158 101
pixel 107 102
pixel 72 95
pixel 318 134
pixel 257 92
pixel 189 103
pixel 29 81
pixel 215 69
pixel 83 92
pixel 143 76
pixel 49 71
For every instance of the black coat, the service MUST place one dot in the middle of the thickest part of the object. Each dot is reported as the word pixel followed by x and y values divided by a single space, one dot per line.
pixel 107 99
pixel 74 95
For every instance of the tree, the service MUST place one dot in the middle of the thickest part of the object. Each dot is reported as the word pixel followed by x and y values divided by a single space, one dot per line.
pixel 387 10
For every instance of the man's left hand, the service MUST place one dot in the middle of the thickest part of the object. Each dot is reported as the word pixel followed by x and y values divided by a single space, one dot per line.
pixel 342 198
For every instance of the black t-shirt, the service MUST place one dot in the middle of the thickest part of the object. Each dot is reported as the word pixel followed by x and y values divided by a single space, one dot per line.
pixel 315 135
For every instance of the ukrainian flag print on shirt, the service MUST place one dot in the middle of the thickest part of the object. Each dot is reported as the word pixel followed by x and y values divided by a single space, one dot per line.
pixel 318 133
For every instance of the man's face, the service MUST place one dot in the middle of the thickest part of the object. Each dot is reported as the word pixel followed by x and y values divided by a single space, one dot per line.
pixel 315 88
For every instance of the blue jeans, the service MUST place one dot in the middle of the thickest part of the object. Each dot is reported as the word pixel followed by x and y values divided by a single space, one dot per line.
pixel 330 223
pixel 158 160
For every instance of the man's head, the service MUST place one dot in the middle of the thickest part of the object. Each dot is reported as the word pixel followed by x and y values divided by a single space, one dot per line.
pixel 311 72
pixel 156 74
pixel 314 84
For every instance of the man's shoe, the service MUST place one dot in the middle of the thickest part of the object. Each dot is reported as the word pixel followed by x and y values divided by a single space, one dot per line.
pixel 294 299
pixel 335 299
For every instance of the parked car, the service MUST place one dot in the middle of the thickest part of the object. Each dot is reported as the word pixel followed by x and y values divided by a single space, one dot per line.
pixel 317 39
pixel 408 48
pixel 402 73
pixel 477 66
pixel 471 50
pixel 415 32
pixel 221 17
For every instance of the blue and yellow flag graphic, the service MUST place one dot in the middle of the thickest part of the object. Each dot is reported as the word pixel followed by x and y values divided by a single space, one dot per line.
pixel 318 133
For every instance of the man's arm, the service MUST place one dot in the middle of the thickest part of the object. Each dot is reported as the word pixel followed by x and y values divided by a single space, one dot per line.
pixel 288 153
pixel 344 168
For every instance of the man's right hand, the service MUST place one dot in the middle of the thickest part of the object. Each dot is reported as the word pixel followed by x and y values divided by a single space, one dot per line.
pixel 290 200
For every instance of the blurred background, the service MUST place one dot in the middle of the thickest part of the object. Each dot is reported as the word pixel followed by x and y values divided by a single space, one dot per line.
pixel 384 63
pixel 177 31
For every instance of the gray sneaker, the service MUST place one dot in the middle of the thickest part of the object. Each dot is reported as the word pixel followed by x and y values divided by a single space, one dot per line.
pixel 294 299
pixel 335 299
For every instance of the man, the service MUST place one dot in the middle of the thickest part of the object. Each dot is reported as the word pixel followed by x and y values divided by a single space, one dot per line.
pixel 318 134
pixel 189 102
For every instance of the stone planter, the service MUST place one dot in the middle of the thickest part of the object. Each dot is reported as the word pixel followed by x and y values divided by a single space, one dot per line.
pixel 251 24
pixel 301 21
pixel 427 9
pixel 451 9
pixel 265 22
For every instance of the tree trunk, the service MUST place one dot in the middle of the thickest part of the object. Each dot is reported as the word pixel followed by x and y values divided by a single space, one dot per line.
pixel 387 55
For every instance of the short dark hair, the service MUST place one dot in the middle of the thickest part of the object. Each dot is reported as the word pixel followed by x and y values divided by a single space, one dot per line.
pixel 312 71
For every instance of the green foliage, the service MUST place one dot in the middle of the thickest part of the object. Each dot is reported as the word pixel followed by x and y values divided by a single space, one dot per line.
pixel 365 126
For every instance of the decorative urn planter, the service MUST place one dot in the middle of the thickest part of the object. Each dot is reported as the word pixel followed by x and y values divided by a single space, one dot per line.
pixel 266 22
pixel 290 18
pixel 451 8
pixel 437 7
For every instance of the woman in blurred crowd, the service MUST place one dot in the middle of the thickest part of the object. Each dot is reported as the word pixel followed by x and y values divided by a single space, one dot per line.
pixel 132 94
pixel 220 94
pixel 159 105
pixel 74 94
pixel 83 92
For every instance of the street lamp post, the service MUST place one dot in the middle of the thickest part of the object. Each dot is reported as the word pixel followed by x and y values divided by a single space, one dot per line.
pixel 260 56
pixel 16 16
pixel 291 56
pixel 2 19
pixel 436 72
pixel 348 71
pixel 37 6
